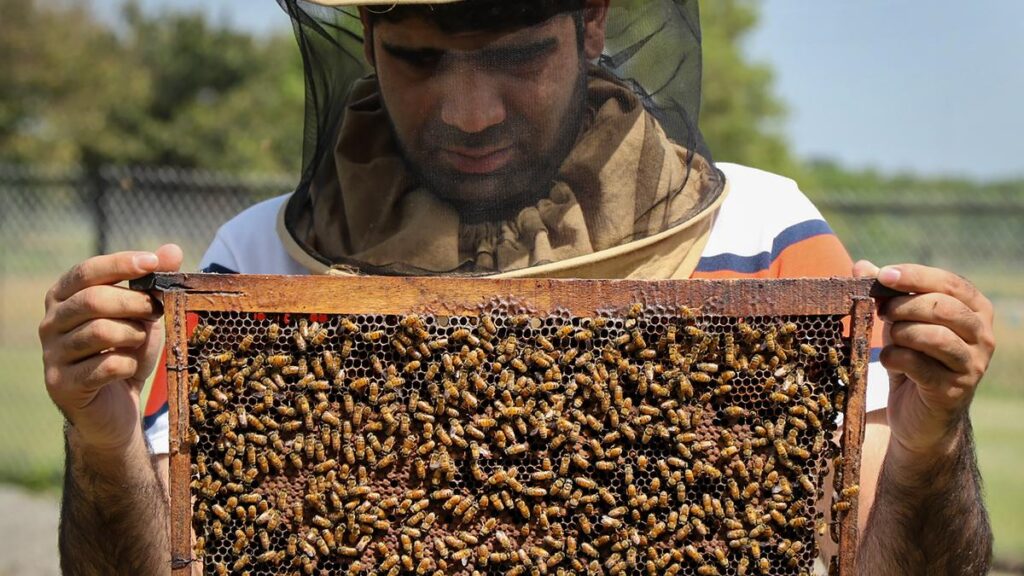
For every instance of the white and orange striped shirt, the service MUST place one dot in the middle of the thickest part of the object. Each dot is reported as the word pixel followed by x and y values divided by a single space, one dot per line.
pixel 766 228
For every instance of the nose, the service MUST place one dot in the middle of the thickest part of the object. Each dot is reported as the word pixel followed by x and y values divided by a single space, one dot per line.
pixel 473 101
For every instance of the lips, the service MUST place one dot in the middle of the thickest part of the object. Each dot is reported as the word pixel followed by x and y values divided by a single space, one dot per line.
pixel 477 160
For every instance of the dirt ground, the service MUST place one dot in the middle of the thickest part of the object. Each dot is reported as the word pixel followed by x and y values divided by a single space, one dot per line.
pixel 28 533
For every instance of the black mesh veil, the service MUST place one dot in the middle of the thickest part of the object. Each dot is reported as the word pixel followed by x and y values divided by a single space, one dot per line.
pixel 462 149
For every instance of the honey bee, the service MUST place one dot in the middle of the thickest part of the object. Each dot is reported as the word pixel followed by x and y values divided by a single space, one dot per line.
pixel 201 335
pixel 584 482
pixel 517 449
pixel 694 332
pixel 700 377
pixel 798 522
pixel 319 336
pixel 844 375
pixel 735 411
pixel 610 523
pixel 279 360
pixel 833 356
pixel 708 367
pixel 487 323
pixel 583 335
pixel 799 452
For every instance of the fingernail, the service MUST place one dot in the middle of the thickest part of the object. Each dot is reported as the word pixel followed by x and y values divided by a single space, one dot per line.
pixel 889 275
pixel 146 261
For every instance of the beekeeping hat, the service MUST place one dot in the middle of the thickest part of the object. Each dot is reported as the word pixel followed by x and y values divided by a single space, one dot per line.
pixel 492 137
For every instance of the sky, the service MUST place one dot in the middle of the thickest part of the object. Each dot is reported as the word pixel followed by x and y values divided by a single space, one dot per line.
pixel 932 87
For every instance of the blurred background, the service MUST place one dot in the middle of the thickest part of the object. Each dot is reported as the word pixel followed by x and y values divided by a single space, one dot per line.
pixel 130 124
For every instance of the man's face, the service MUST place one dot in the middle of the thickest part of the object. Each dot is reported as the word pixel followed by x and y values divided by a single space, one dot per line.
pixel 483 118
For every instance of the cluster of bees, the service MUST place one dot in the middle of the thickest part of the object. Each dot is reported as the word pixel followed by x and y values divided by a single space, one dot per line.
pixel 645 443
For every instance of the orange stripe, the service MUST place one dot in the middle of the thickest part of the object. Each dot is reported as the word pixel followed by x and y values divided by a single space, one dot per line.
pixel 822 256
pixel 731 275
pixel 817 257
pixel 158 392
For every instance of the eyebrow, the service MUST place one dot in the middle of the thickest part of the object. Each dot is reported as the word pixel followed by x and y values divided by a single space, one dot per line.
pixel 412 54
pixel 522 51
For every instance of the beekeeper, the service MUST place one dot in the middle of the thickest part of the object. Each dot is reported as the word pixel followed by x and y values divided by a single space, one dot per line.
pixel 537 138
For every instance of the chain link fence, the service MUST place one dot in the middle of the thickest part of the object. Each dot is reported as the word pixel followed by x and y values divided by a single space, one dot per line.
pixel 943 229
pixel 51 219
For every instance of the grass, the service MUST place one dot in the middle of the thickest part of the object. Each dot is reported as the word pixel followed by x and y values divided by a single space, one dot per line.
pixel 31 445
pixel 999 429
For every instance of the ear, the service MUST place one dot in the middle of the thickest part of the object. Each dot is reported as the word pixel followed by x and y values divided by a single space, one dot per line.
pixel 595 20
pixel 368 51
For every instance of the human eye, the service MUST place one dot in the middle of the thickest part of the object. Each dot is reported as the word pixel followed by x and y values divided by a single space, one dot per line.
pixel 423 59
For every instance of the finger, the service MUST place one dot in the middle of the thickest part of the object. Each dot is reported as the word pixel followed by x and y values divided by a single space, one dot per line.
pixel 925 371
pixel 106 269
pixel 103 302
pixel 917 279
pixel 936 342
pixel 87 377
pixel 150 350
pixel 865 269
pixel 171 257
pixel 102 334
pixel 939 309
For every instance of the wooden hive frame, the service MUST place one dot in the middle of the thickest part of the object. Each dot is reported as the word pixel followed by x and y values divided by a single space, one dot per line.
pixel 186 293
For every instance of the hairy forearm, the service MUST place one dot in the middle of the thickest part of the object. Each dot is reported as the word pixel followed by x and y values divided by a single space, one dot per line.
pixel 928 517
pixel 113 514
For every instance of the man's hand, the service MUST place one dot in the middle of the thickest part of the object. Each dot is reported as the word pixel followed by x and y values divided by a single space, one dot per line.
pixel 939 342
pixel 101 342
pixel 928 516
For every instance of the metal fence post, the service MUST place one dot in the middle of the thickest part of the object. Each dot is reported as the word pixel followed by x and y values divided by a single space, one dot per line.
pixel 95 186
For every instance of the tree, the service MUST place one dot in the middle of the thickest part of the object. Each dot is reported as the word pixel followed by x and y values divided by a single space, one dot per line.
pixel 156 89
pixel 63 75
pixel 740 116
pixel 221 98
pixel 172 88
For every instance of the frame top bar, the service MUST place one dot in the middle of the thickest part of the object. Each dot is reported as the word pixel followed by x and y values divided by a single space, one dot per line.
pixel 447 295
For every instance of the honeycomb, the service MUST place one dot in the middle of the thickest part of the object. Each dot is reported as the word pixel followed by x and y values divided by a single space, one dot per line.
pixel 642 442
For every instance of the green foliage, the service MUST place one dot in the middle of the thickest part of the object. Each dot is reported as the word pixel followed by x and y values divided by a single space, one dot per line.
pixel 221 99
pixel 63 76
pixel 172 88
pixel 740 117
pixel 829 177
pixel 160 89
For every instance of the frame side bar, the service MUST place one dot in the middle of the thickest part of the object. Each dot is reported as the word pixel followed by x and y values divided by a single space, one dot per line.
pixel 861 325
pixel 180 454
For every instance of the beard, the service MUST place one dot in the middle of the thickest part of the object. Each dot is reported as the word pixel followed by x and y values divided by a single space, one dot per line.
pixel 500 194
